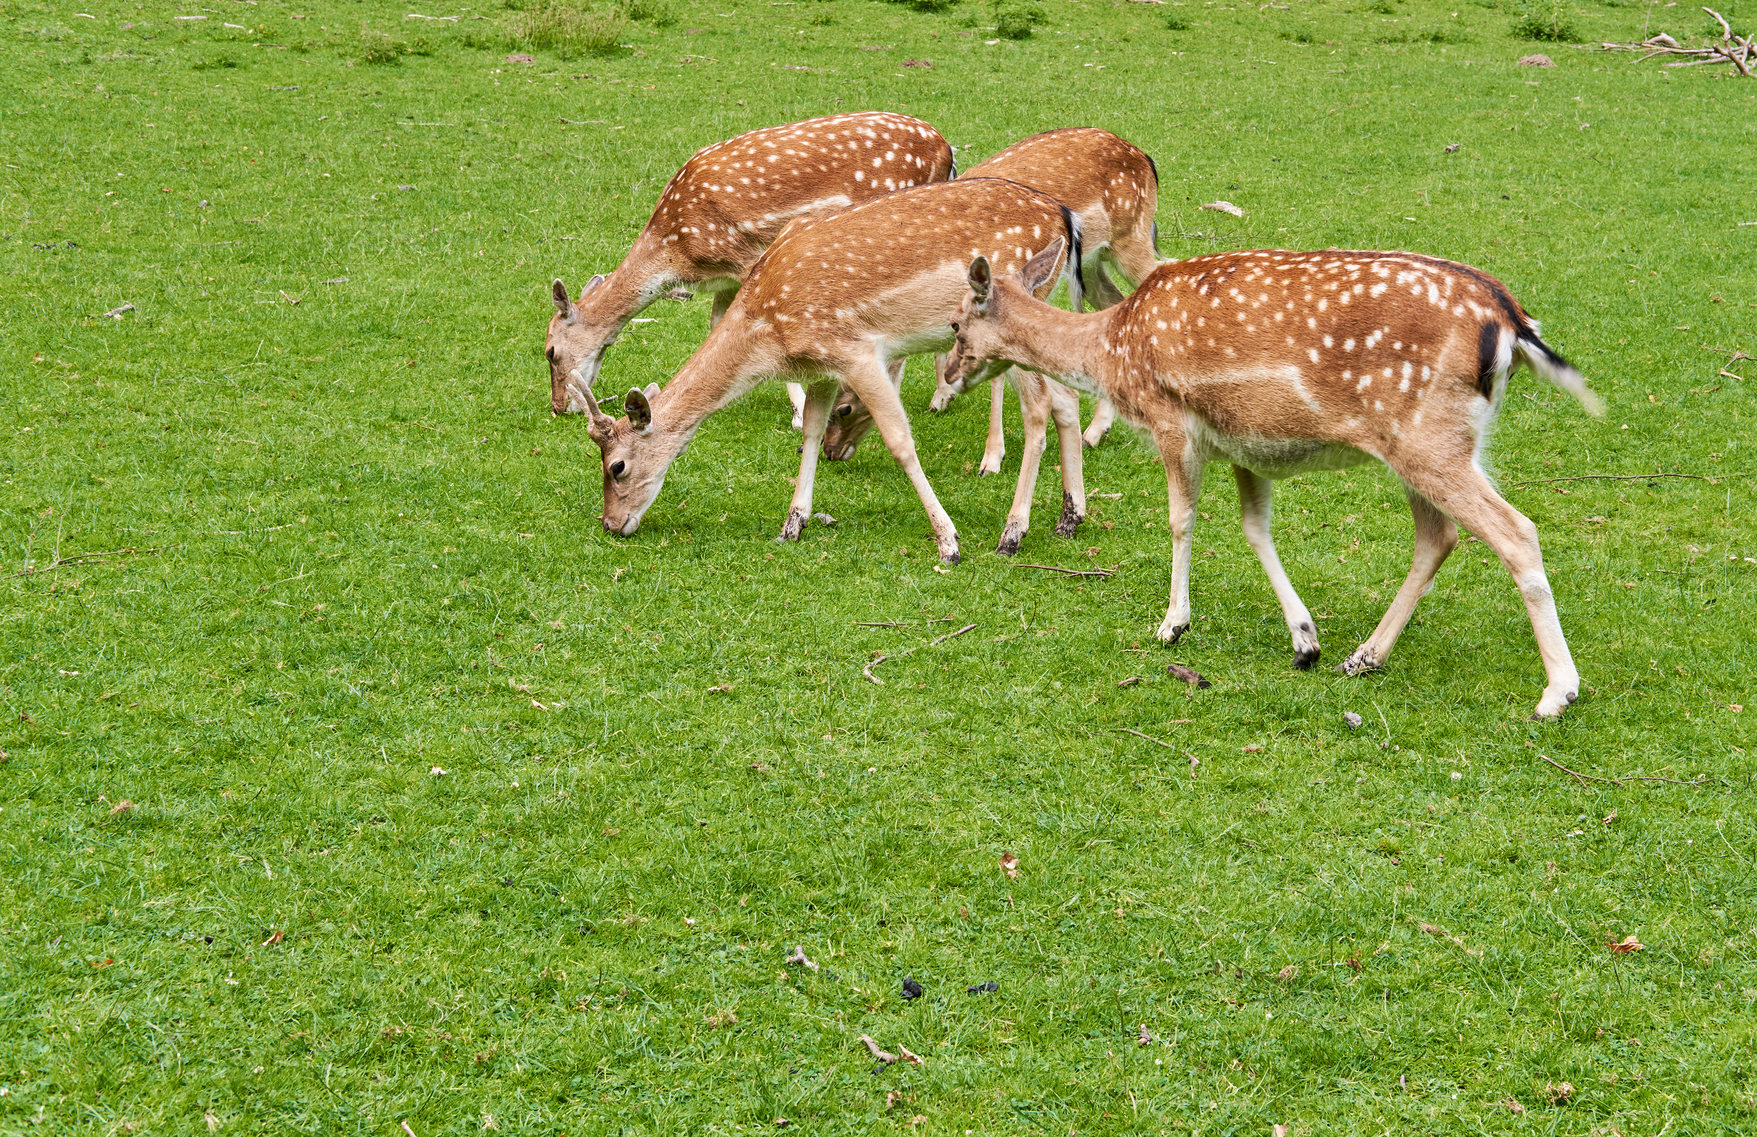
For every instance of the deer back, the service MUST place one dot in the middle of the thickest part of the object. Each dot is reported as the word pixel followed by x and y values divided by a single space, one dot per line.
pixel 896 268
pixel 1110 183
pixel 1334 344
pixel 732 199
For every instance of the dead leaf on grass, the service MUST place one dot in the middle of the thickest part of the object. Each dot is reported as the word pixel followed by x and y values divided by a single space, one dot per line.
pixel 799 957
pixel 1558 1093
pixel 720 1019
pixel 1289 973
pixel 274 937
pixel 1629 944
pixel 1514 1106
pixel 1224 207
pixel 1010 865
pixel 123 806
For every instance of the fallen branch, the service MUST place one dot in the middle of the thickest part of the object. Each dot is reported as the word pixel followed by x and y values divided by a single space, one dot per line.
pixel 866 669
pixel 1148 737
pixel 1624 477
pixel 1740 51
pixel 116 313
pixel 63 562
pixel 1584 778
pixel 1102 573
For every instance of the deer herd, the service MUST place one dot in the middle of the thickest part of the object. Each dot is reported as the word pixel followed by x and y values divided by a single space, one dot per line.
pixel 837 247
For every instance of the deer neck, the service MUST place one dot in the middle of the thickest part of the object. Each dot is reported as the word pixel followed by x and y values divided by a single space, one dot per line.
pixel 641 278
pixel 734 358
pixel 1063 345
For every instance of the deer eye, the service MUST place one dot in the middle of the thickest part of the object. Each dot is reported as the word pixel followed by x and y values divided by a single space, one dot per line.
pixel 618 468
pixel 844 412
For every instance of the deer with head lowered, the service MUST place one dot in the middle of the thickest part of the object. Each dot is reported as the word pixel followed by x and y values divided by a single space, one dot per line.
pixel 832 304
pixel 1281 362
pixel 721 210
pixel 1112 187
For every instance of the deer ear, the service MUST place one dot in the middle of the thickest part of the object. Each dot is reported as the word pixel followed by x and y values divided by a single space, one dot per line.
pixel 592 283
pixel 563 302
pixel 651 392
pixel 638 409
pixel 1040 269
pixel 981 282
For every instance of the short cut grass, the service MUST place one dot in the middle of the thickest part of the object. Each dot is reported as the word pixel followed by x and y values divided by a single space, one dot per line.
pixel 352 779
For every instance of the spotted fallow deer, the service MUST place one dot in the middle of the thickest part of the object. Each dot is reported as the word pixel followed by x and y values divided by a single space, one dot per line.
pixel 1112 187
pixel 833 303
pixel 721 210
pixel 1280 362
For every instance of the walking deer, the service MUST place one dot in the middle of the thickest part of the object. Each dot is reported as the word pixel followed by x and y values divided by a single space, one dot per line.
pixel 1282 362
pixel 721 210
pixel 834 303
pixel 1112 187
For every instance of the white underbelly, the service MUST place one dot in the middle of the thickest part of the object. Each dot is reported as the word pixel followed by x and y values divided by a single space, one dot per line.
pixel 929 342
pixel 1272 457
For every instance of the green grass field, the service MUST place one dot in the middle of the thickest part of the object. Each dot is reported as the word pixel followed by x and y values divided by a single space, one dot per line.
pixel 363 552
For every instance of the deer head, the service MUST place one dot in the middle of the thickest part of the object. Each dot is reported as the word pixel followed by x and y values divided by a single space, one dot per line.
pixel 980 326
pixel 636 454
pixel 575 347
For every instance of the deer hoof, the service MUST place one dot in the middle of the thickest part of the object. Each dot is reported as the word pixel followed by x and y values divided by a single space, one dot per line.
pixel 1010 538
pixel 1361 662
pixel 1069 522
pixel 794 527
pixel 1170 633
pixel 987 467
pixel 1304 659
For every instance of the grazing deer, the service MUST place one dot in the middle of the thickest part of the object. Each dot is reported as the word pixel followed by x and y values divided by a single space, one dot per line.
pixel 833 303
pixel 1282 362
pixel 1112 187
pixel 721 210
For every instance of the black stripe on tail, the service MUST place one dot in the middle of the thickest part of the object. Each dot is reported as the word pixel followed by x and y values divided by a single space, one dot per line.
pixel 1488 343
pixel 1076 254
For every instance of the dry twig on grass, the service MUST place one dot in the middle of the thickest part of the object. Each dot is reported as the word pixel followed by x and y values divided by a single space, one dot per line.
pixel 867 669
pixel 1585 778
pixel 1624 477
pixel 1102 573
pixel 1740 51
pixel 82 558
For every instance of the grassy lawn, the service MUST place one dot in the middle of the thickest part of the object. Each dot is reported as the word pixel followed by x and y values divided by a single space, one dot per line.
pixel 364 553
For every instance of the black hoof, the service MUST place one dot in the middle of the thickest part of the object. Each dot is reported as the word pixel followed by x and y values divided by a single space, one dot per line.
pixel 1304 659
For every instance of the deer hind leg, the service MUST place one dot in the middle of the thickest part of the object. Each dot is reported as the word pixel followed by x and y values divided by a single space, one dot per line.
pixel 1255 494
pixel 868 379
pixel 995 448
pixel 815 417
pixel 1183 483
pixel 1474 504
pixel 1435 537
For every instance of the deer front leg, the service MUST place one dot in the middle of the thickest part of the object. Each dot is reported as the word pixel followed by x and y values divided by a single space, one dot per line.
pixel 1034 410
pixel 1064 407
pixel 995 448
pixel 1103 416
pixel 943 392
pixel 815 418
pixel 1255 493
pixel 1435 537
pixel 1183 483
pixel 868 379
